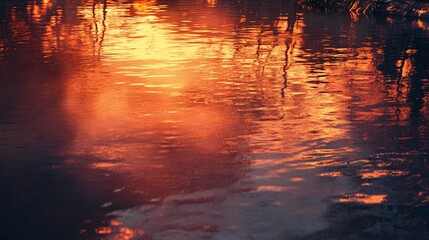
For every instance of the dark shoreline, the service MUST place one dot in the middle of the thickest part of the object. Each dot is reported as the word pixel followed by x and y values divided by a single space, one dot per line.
pixel 392 8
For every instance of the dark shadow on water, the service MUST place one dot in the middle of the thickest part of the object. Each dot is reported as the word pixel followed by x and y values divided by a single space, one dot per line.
pixel 391 135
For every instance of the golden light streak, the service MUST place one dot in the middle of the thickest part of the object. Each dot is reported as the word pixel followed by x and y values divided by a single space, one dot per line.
pixel 365 199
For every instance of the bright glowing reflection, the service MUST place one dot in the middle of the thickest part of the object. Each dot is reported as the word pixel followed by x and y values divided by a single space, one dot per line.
pixel 213 118
pixel 170 92
pixel 365 199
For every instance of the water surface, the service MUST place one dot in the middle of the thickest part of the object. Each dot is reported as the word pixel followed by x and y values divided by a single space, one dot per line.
pixel 211 120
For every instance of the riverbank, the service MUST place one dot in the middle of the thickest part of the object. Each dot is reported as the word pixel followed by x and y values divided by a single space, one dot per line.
pixel 394 8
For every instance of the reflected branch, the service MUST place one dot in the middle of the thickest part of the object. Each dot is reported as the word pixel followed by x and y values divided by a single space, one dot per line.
pixel 291 20
pixel 285 66
pixel 103 23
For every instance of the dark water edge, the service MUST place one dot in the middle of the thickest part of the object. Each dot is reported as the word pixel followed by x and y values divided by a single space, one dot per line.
pixel 339 115
pixel 396 9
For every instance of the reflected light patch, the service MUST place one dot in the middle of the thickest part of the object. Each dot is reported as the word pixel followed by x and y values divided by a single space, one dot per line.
pixel 382 173
pixel 271 188
pixel 141 6
pixel 117 231
pixel 364 198
pixel 331 174
pixel 103 230
pixel 297 179
pixel 104 165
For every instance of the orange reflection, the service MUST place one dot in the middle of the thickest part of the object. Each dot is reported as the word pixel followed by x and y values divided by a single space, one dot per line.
pixel 140 6
pixel 331 174
pixel 142 113
pixel 365 199
pixel 120 232
pixel 297 179
pixel 175 102
pixel 103 230
pixel 126 233
pixel 163 90
pixel 382 173
pixel 272 188
pixel 212 3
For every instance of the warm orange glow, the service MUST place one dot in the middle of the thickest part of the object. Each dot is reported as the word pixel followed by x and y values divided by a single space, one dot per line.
pixel 140 6
pixel 207 118
pixel 365 199
pixel 107 165
pixel 272 188
pixel 115 223
pixel 126 233
pixel 172 102
pixel 103 230
pixel 331 174
pixel 120 232
pixel 212 3
pixel 381 173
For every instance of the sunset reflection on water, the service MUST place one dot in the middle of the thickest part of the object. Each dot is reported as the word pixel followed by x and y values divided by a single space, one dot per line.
pixel 211 119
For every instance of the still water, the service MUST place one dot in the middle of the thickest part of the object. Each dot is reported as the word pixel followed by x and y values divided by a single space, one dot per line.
pixel 145 119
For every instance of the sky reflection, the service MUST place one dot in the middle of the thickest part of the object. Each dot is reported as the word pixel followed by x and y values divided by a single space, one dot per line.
pixel 211 119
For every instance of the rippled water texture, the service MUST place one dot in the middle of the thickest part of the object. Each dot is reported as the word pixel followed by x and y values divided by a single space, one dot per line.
pixel 211 120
